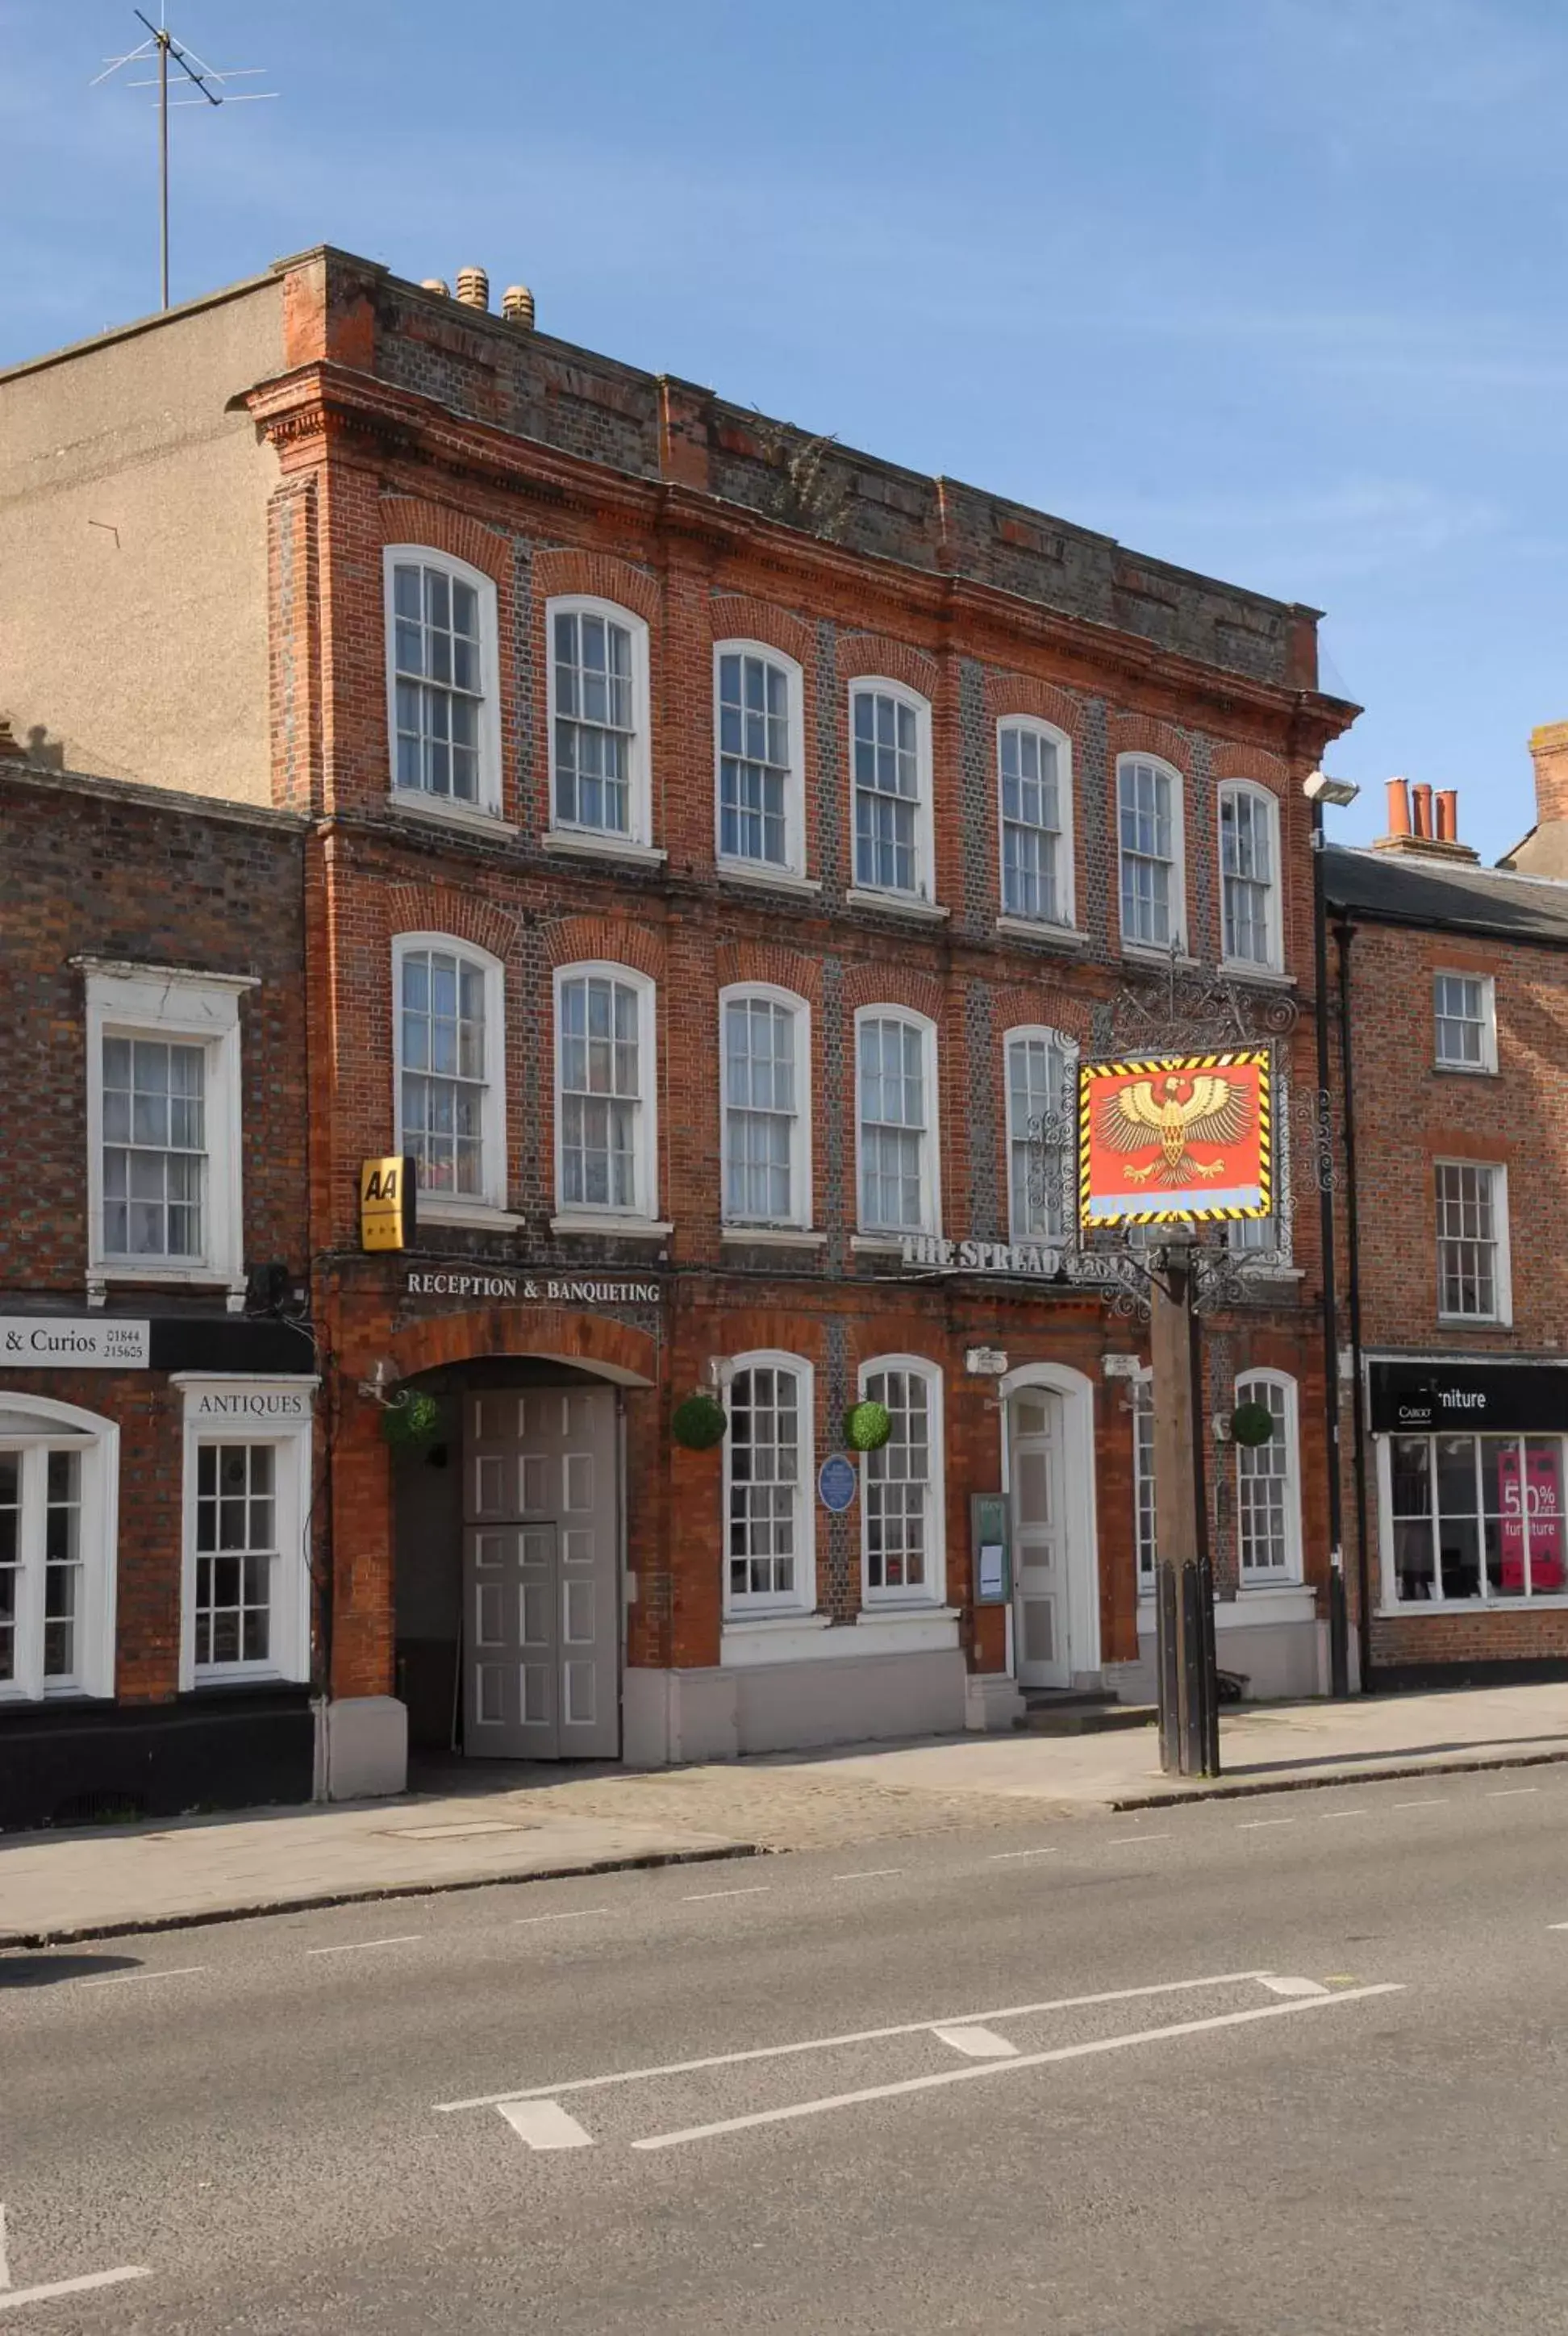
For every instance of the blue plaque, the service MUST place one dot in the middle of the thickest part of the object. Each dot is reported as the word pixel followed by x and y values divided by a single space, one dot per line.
pixel 836 1483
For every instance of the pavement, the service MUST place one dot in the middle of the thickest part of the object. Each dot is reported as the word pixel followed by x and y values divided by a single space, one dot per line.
pixel 1234 2069
pixel 481 1823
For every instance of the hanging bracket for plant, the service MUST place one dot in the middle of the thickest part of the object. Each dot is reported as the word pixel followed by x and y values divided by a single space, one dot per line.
pixel 411 1422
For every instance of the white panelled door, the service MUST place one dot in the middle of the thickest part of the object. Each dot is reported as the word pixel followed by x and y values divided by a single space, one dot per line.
pixel 1040 1542
pixel 541 1664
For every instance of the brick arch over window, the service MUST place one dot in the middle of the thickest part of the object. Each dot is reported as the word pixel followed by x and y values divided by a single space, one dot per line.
pixel 409 519
pixel 1043 1005
pixel 872 653
pixel 772 1331
pixel 736 616
pixel 1025 694
pixel 1229 761
pixel 605 940
pixel 737 962
pixel 442 908
pixel 890 1331
pixel 1140 734
pixel 566 572
pixel 885 984
pixel 593 1341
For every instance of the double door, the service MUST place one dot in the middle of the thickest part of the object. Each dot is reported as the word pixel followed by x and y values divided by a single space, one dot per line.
pixel 540 1571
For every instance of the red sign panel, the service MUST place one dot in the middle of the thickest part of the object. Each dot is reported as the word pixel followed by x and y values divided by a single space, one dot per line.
pixel 1175 1138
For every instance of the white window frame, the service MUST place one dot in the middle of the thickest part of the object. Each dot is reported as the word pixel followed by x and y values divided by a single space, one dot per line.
pixel 639 836
pixel 1487 1064
pixel 932 1593
pixel 1048 734
pixel 794 862
pixel 932 1147
pixel 172 1004
pixel 923 891
pixel 232 1408
pixel 461 1208
pixel 800 1213
pixel 1233 789
pixel 1502 1315
pixel 33 1425
pixel 1036 1033
pixel 802 1598
pixel 592 1216
pixel 1140 1382
pixel 1289 1575
pixel 1131 945
pixel 487 803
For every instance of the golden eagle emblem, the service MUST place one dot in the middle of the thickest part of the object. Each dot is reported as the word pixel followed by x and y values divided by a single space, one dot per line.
pixel 1151 1110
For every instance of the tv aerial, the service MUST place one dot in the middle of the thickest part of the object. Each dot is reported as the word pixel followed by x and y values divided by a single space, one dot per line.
pixel 208 84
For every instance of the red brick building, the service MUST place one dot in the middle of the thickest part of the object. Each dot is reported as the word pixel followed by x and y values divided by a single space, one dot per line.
pixel 1449 990
pixel 720 843
pixel 157 1383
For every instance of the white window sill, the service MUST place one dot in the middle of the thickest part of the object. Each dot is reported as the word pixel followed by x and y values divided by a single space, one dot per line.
pixel 240 1675
pixel 1465 1070
pixel 482 1215
pixel 897 904
pixel 1041 930
pixel 884 1244
pixel 1477 1321
pixel 766 879
pixel 1241 969
pixel 771 1237
pixel 1408 1609
pixel 443 812
pixel 585 845
pixel 799 1617
pixel 1151 953
pixel 173 1276
pixel 613 1227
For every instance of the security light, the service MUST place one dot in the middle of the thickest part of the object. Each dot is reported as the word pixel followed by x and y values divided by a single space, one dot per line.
pixel 1322 788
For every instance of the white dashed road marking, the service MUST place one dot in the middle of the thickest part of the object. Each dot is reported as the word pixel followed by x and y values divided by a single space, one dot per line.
pixel 1303 1987
pixel 12 2296
pixel 122 1978
pixel 977 2043
pixel 357 1946
pixel 568 1914
pixel 544 2125
pixel 699 1897
pixel 1513 1792
pixel 872 1873
pixel 1260 1824
pixel 999 1856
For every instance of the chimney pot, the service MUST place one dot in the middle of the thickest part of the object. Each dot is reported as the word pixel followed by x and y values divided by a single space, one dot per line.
pixel 1421 794
pixel 1399 807
pixel 516 304
pixel 473 287
pixel 1447 815
pixel 435 284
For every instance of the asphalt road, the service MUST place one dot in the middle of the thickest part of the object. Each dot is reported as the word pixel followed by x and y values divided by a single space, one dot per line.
pixel 1053 2080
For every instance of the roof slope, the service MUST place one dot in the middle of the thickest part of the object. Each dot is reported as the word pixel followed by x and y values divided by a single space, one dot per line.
pixel 1406 888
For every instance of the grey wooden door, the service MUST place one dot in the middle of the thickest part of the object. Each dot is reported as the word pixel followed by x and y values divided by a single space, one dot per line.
pixel 542 1636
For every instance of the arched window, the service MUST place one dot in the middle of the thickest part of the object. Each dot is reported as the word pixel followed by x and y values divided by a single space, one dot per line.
pixel 890 784
pixel 902 1539
pixel 599 721
pixel 1251 931
pixel 768 1475
pixel 757 745
pixel 897 1121
pixel 606 1112
pixel 1034 779
pixel 765 1041
pixel 1040 1067
pixel 58 1483
pixel 443 707
pixel 1268 1486
pixel 451 1053
pixel 1149 828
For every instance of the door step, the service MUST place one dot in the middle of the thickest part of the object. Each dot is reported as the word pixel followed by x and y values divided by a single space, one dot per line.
pixel 1050 1712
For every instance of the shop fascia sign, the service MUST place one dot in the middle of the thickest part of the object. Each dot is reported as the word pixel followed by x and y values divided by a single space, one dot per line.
pixel 526 1287
pixel 63 1342
pixel 929 1252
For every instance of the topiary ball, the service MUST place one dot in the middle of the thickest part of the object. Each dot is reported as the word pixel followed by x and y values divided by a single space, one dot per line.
pixel 867 1426
pixel 1251 1424
pixel 698 1423
pixel 411 1421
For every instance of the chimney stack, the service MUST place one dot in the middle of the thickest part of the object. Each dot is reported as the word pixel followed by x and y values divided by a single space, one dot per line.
pixel 473 287
pixel 517 305
pixel 1432 839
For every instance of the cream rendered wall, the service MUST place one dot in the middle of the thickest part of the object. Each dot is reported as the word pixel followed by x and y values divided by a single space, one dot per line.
pixel 134 550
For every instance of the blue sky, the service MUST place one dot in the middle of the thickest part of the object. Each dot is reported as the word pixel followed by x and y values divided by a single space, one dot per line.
pixel 1272 288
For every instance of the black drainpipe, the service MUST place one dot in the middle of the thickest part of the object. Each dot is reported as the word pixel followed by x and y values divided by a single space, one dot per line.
pixel 1343 934
pixel 1338 1635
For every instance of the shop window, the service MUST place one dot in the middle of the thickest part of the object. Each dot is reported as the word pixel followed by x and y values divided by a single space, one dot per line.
pixel 450 1102
pixel 758 724
pixel 904 1557
pixel 891 771
pixel 605 1146
pixel 58 1481
pixel 1473 1519
pixel 1150 840
pixel 247 1534
pixel 1268 1489
pixel 444 712
pixel 1473 1278
pixel 163 1108
pixel 897 1090
pixel 769 1472
pixel 1034 776
pixel 765 1069
pixel 599 721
